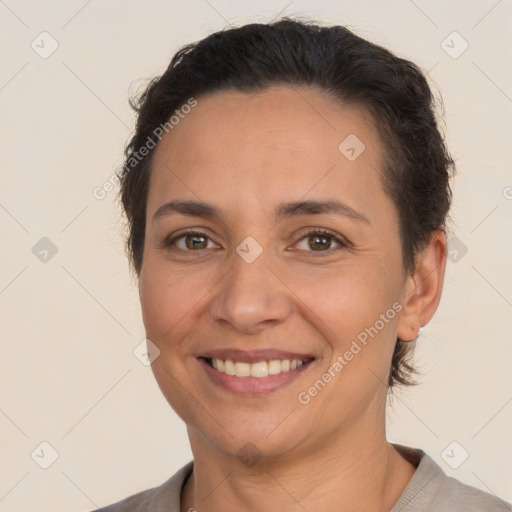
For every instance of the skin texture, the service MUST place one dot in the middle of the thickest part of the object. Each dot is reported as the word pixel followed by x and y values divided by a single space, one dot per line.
pixel 246 154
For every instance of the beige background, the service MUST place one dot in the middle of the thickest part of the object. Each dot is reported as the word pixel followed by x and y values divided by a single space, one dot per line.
pixel 70 324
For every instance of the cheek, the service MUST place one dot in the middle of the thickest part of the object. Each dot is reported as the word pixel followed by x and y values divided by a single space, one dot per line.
pixel 356 303
pixel 170 301
pixel 169 298
pixel 347 298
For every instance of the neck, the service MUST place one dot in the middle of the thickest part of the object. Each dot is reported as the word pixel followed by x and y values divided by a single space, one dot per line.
pixel 354 471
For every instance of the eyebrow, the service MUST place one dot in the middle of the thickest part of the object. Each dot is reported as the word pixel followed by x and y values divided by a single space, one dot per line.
pixel 284 210
pixel 318 207
pixel 188 208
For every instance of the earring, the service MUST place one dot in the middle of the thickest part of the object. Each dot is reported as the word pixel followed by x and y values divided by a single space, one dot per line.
pixel 415 338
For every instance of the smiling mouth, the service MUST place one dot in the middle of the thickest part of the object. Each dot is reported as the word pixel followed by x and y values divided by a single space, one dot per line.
pixel 258 369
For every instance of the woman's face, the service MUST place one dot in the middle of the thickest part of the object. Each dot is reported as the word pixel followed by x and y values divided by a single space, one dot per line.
pixel 294 254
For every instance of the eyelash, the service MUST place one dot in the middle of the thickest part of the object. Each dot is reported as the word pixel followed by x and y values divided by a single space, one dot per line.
pixel 342 243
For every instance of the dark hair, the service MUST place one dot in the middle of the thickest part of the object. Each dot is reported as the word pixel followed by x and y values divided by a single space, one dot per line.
pixel 337 62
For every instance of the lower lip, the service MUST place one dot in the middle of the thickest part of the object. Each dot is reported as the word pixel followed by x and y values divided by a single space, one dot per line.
pixel 252 385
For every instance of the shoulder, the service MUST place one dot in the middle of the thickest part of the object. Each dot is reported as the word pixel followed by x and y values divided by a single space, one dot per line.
pixel 431 490
pixel 165 498
pixel 454 495
pixel 135 503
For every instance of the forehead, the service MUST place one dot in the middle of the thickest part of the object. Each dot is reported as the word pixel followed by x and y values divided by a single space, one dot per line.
pixel 256 147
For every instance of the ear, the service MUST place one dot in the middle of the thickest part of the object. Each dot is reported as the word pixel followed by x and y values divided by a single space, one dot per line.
pixel 422 291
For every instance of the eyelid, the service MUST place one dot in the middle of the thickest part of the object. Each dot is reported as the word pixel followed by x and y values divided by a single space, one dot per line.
pixel 339 239
pixel 170 241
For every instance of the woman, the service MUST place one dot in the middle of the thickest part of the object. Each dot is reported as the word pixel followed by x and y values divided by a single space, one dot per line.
pixel 286 192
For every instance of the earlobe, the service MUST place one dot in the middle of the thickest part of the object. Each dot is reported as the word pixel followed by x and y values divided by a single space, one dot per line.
pixel 422 291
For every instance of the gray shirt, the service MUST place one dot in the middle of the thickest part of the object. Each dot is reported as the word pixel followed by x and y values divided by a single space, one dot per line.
pixel 429 490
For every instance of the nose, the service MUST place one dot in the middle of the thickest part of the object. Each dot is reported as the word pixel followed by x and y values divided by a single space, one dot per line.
pixel 251 298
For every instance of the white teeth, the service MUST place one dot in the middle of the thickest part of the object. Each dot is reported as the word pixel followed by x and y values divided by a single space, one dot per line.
pixel 242 369
pixel 258 369
pixel 229 367
pixel 274 367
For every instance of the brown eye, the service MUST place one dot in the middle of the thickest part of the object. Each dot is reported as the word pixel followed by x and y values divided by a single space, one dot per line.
pixel 319 242
pixel 196 242
pixel 191 241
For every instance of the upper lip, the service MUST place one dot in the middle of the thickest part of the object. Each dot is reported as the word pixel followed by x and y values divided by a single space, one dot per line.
pixel 253 356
